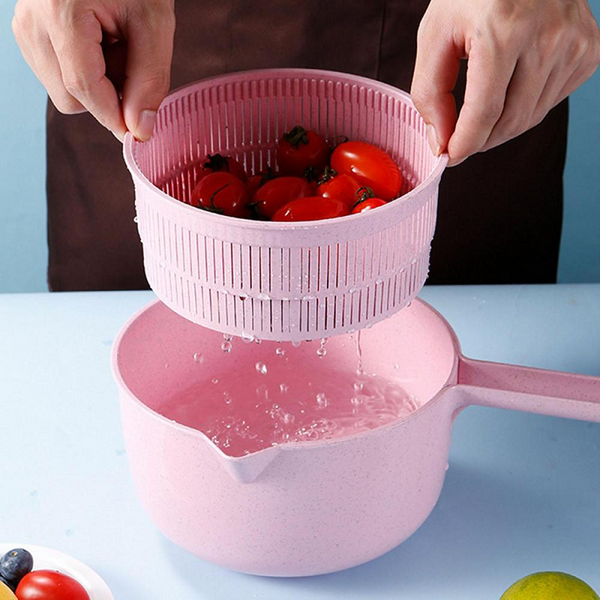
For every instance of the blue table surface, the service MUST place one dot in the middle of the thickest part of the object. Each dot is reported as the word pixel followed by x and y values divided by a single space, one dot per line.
pixel 522 493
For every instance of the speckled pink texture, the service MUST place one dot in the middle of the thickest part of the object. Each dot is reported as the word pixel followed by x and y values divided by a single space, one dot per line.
pixel 314 507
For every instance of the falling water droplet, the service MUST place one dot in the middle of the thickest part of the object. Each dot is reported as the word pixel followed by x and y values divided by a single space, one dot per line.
pixel 356 401
pixel 263 296
pixel 284 388
pixel 321 351
pixel 226 347
pixel 247 338
pixel 243 296
pixel 288 418
pixel 296 344
pixel 198 358
pixel 227 337
pixel 358 386
pixel 261 368
pixel 280 351
pixel 215 380
pixel 135 220
pixel 359 368
pixel 257 341
pixel 227 398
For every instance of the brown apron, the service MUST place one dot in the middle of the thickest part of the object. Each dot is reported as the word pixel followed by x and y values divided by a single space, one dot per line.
pixel 500 212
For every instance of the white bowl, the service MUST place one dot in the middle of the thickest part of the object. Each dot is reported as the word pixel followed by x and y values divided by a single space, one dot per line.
pixel 47 558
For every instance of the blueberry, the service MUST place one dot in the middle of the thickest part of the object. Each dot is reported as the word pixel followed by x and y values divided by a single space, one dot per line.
pixel 14 565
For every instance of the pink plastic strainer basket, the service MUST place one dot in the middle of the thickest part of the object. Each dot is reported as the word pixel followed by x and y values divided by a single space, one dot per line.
pixel 282 281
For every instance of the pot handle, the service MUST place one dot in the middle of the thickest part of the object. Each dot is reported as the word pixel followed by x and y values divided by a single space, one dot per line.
pixel 526 389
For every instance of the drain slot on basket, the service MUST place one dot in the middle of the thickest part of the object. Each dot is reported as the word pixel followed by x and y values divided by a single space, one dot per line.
pixel 269 280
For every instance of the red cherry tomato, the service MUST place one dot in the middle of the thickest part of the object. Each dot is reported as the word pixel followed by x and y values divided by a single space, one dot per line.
pixel 50 585
pixel 222 193
pixel 313 208
pixel 313 176
pixel 313 184
pixel 371 167
pixel 258 180
pixel 252 185
pixel 301 149
pixel 277 193
pixel 344 187
pixel 216 163
pixel 367 204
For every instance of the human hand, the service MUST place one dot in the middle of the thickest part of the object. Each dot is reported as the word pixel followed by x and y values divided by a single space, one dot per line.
pixel 66 43
pixel 524 57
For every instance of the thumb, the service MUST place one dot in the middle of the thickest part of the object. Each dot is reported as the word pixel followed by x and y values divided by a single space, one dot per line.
pixel 148 70
pixel 434 77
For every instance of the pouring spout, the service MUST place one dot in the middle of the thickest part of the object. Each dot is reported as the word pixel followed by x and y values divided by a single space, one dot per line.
pixel 246 469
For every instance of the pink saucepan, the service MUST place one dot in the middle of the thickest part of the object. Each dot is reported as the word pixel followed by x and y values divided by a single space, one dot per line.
pixel 307 508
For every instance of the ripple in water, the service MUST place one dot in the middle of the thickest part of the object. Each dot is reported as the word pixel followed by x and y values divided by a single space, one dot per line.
pixel 287 402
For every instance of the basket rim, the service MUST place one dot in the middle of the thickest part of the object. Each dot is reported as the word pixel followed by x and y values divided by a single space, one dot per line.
pixel 140 178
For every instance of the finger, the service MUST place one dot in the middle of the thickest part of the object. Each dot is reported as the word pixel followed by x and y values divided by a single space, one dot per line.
pixel 557 88
pixel 578 78
pixel 21 35
pixel 50 75
pixel 522 96
pixel 489 72
pixel 434 77
pixel 79 52
pixel 148 69
pixel 39 55
pixel 549 96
